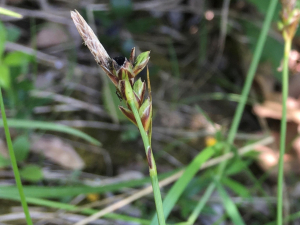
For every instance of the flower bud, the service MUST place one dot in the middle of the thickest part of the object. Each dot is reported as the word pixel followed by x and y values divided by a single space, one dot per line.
pixel 141 62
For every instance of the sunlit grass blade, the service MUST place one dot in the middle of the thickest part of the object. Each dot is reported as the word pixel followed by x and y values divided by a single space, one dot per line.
pixel 31 124
pixel 230 206
pixel 190 171
pixel 10 13
pixel 14 162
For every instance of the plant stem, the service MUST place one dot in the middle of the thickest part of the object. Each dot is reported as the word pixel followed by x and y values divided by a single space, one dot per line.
pixel 14 162
pixel 285 88
pixel 238 114
pixel 152 168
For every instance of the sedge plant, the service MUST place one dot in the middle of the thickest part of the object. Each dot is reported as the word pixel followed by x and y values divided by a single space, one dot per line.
pixel 290 16
pixel 122 73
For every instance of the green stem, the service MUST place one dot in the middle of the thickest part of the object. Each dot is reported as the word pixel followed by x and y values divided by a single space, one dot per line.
pixel 285 88
pixel 14 162
pixel 249 78
pixel 152 168
pixel 240 108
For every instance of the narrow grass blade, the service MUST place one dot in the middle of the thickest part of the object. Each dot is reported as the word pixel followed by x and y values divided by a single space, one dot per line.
pixel 10 13
pixel 191 170
pixel 14 163
pixel 61 191
pixel 29 124
pixel 238 114
pixel 111 100
pixel 230 207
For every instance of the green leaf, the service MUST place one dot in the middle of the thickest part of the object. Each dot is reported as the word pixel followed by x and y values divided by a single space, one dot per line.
pixel 32 173
pixel 111 101
pixel 238 188
pixel 31 124
pixel 2 39
pixel 4 77
pixel 17 59
pixel 230 206
pixel 21 147
pixel 10 13
pixel 180 185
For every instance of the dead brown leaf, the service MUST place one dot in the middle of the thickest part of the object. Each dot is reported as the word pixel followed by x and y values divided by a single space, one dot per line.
pixel 51 35
pixel 56 150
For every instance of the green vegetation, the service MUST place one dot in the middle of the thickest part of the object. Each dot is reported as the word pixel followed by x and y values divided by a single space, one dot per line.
pixel 219 123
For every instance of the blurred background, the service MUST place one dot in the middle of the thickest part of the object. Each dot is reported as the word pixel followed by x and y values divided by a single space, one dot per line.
pixel 200 55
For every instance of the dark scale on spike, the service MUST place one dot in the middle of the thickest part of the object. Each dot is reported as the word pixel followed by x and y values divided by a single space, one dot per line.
pixel 120 60
pixel 149 158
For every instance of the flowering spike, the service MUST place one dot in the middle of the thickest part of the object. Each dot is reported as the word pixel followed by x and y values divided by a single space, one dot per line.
pixel 145 113
pixel 139 87
pixel 149 85
pixel 128 114
pixel 112 77
pixel 126 90
pixel 290 16
pixel 150 97
pixel 141 62
pixel 138 101
pixel 91 40
pixel 131 81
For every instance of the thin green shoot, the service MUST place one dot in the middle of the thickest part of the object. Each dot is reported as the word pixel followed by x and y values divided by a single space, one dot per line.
pixel 31 124
pixel 152 171
pixel 180 185
pixel 14 162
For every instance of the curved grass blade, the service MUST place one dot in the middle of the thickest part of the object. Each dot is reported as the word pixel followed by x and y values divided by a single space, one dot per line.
pixel 29 124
